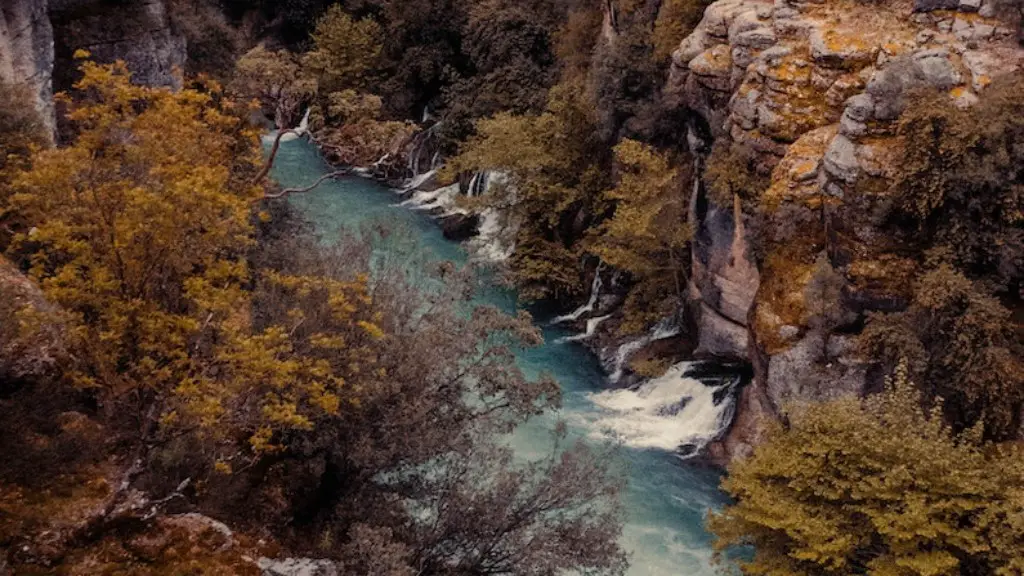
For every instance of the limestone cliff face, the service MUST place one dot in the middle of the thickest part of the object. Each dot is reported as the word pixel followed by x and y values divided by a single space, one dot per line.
pixel 139 32
pixel 814 90
pixel 39 37
pixel 26 51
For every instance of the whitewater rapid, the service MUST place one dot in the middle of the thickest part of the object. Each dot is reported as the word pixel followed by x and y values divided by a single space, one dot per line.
pixel 675 412
pixel 666 500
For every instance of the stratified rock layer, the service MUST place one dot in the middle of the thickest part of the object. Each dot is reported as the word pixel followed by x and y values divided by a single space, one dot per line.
pixel 813 89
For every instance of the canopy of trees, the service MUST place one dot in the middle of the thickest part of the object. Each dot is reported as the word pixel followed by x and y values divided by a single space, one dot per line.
pixel 879 486
pixel 239 367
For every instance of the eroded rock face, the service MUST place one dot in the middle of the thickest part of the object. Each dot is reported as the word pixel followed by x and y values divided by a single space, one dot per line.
pixel 32 347
pixel 140 33
pixel 724 280
pixel 38 39
pixel 26 51
pixel 813 90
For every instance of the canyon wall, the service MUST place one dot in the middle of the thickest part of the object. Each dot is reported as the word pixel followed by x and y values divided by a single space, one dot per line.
pixel 26 51
pixel 38 39
pixel 812 90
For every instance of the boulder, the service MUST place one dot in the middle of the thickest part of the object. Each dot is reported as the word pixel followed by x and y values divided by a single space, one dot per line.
pixel 459 226
pixel 32 345
pixel 841 159
pixel 720 337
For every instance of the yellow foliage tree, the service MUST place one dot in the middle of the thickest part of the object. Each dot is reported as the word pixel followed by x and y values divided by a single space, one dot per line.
pixel 648 235
pixel 344 51
pixel 878 486
pixel 139 231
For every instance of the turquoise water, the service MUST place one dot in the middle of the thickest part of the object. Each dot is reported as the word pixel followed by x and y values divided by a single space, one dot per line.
pixel 666 499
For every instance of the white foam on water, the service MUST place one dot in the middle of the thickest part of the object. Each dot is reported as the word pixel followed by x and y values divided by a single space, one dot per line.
pixel 299 131
pixel 592 325
pixel 418 180
pixel 495 239
pixel 669 413
pixel 443 198
pixel 595 293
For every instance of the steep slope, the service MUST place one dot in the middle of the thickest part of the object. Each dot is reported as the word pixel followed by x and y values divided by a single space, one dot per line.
pixel 38 39
pixel 812 90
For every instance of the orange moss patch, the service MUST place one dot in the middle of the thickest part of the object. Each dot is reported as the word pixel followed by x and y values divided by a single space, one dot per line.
pixel 793 179
pixel 887 273
pixel 780 297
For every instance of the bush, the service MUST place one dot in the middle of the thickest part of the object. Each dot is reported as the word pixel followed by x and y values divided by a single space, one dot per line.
pixel 878 486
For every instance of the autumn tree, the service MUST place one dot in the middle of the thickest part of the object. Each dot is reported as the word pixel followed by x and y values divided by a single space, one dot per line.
pixel 879 486
pixel 676 19
pixel 21 129
pixel 962 343
pixel 288 388
pixel 730 172
pixel 345 50
pixel 647 236
pixel 276 79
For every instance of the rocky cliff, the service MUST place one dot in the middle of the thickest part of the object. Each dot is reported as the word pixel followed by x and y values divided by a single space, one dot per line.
pixel 39 37
pixel 813 90
pixel 26 51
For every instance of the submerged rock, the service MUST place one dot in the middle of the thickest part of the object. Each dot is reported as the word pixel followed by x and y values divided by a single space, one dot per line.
pixel 459 226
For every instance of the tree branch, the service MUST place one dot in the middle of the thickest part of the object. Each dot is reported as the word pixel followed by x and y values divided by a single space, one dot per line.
pixel 273 154
pixel 319 181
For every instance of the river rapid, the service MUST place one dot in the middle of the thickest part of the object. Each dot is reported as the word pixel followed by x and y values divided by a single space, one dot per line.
pixel 666 499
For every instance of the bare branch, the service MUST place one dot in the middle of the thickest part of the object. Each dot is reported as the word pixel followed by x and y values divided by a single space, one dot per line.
pixel 273 154
pixel 320 180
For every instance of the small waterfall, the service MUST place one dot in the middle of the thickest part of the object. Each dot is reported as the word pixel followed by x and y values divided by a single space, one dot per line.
pixel 478 185
pixel 420 143
pixel 664 329
pixel 299 131
pixel 418 180
pixel 595 293
pixel 442 199
pixel 677 412
pixel 592 325
pixel 496 235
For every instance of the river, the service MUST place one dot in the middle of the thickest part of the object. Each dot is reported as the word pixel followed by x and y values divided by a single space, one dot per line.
pixel 666 499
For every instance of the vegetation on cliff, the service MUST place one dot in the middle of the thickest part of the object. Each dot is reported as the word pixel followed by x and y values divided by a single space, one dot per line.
pixel 220 360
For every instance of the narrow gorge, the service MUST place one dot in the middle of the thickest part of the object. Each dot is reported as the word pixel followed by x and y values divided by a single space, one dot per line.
pixel 473 287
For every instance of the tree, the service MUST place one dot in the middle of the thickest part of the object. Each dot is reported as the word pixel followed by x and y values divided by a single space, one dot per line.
pixel 647 236
pixel 276 79
pixel 676 19
pixel 137 228
pixel 288 389
pixel 962 343
pixel 345 50
pixel 960 184
pixel 823 297
pixel 878 486
pixel 21 129
pixel 555 175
